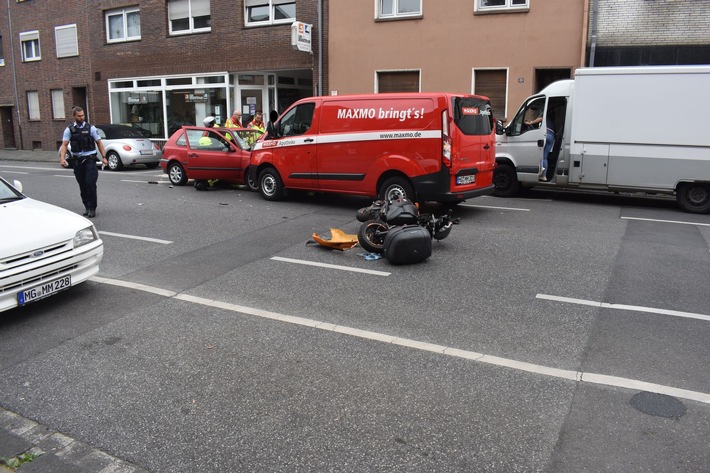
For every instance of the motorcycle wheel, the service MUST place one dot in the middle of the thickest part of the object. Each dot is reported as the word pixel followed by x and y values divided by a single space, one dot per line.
pixel 371 236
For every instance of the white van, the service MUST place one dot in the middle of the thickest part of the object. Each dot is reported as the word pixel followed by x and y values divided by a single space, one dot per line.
pixel 630 129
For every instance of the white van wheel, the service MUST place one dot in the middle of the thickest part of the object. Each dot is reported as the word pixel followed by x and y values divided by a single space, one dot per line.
pixel 694 197
pixel 396 187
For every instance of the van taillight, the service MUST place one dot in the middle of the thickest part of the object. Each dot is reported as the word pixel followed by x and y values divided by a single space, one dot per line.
pixel 445 140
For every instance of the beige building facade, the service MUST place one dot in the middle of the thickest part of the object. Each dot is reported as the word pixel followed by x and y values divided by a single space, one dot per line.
pixel 505 49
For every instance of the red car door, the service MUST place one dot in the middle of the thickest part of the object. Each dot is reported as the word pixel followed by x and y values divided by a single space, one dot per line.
pixel 210 155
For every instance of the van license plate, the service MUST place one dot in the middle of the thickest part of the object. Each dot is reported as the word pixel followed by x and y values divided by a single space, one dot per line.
pixel 470 179
pixel 43 290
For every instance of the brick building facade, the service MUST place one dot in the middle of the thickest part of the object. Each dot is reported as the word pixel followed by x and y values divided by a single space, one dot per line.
pixel 144 63
pixel 649 32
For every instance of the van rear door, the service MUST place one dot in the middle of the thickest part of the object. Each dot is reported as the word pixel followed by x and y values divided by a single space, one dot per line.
pixel 473 143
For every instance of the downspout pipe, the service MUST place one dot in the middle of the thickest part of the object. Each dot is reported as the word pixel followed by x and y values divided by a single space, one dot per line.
pixel 593 45
pixel 14 74
pixel 320 47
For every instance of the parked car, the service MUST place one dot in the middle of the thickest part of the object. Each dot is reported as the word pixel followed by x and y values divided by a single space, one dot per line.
pixel 126 146
pixel 200 153
pixel 44 249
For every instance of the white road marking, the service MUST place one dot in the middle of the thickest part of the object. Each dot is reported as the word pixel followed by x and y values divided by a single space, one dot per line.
pixel 31 167
pixel 666 221
pixel 576 376
pixel 331 266
pixel 606 305
pixel 14 172
pixel 63 175
pixel 492 207
pixel 146 182
pixel 133 285
pixel 134 237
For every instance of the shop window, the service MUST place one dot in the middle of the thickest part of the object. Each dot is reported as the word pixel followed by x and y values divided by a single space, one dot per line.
pixel 387 9
pixel 58 104
pixel 501 5
pixel 269 12
pixel 66 41
pixel 29 43
pixel 123 25
pixel 397 81
pixel 189 16
pixel 492 83
pixel 33 105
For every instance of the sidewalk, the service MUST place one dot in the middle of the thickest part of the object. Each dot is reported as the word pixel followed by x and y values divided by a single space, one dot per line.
pixel 50 451
pixel 29 156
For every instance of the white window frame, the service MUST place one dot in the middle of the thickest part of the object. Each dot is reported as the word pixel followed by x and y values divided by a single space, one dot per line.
pixel 26 38
pixel 507 6
pixel 272 4
pixel 381 15
pixel 124 13
pixel 33 105
pixel 58 112
pixel 192 5
pixel 65 39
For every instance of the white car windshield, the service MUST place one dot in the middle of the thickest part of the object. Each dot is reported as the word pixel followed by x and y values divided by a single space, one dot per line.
pixel 8 193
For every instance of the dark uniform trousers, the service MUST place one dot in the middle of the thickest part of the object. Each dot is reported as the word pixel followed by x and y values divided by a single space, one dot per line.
pixel 87 174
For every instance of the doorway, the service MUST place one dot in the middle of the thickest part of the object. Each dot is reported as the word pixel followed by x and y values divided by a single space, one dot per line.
pixel 8 127
pixel 545 77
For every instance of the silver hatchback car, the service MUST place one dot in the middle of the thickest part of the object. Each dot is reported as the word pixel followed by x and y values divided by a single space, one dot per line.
pixel 126 146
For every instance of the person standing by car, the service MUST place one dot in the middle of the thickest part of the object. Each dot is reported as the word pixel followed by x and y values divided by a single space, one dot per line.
pixel 258 122
pixel 235 121
pixel 84 140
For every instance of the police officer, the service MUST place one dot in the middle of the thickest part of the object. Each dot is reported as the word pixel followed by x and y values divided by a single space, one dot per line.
pixel 84 140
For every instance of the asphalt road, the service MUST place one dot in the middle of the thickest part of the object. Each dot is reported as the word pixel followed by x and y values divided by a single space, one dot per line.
pixel 536 338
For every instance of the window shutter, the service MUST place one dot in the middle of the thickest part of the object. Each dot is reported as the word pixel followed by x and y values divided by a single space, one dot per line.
pixel 398 81
pixel 67 44
pixel 178 9
pixel 492 84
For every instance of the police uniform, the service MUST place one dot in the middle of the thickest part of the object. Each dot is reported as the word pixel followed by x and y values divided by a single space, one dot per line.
pixel 83 141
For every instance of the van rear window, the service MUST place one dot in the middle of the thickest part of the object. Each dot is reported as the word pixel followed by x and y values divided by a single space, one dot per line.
pixel 473 115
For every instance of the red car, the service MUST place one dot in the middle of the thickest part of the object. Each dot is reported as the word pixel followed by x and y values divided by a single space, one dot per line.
pixel 200 153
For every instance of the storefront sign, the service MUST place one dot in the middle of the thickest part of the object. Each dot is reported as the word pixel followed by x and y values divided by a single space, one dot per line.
pixel 301 36
pixel 196 98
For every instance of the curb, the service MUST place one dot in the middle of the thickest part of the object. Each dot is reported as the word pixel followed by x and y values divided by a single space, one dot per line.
pixel 53 451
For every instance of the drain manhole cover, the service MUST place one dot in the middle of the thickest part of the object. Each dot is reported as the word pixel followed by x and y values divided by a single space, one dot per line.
pixel 659 405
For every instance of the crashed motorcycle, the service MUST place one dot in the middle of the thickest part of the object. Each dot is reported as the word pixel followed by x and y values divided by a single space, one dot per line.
pixel 383 215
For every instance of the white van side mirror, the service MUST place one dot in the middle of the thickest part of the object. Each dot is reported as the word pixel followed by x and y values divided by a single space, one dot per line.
pixel 17 184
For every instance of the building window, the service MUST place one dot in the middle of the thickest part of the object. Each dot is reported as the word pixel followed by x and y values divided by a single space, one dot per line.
pixel 2 55
pixel 66 41
pixel 498 5
pixel 492 83
pixel 29 42
pixel 398 8
pixel 397 81
pixel 58 104
pixel 123 25
pixel 33 105
pixel 189 16
pixel 269 12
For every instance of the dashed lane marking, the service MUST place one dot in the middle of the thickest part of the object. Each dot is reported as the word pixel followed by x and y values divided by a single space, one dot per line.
pixel 331 266
pixel 635 308
pixel 134 237
pixel 569 375
pixel 494 208
pixel 666 221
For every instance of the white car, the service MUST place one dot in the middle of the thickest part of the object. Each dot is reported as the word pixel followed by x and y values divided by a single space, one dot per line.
pixel 44 249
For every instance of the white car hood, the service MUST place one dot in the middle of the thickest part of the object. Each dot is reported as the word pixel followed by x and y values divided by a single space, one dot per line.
pixel 28 224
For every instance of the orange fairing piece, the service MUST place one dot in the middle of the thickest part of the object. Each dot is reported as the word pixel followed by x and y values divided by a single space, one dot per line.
pixel 339 240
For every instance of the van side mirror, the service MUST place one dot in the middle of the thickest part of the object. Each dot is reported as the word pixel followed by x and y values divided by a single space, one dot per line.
pixel 500 129
pixel 271 132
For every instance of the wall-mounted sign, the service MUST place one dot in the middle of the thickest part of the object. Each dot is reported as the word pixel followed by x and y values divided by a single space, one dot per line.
pixel 301 36
pixel 196 98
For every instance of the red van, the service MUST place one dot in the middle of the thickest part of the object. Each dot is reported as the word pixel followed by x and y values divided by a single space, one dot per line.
pixel 425 146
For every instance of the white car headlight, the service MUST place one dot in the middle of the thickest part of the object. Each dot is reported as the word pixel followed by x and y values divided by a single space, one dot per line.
pixel 84 236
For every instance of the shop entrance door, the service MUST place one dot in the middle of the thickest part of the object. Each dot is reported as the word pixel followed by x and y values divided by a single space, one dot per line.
pixel 8 127
pixel 252 99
